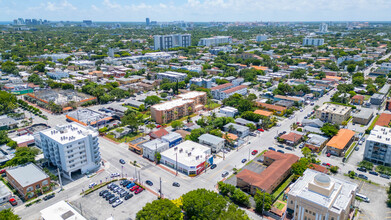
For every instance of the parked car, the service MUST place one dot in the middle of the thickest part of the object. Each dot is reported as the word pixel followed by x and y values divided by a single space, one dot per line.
pixel 122 194
pixel 158 126
pixel 122 161
pixel 102 192
pixel 112 200
pixel 91 185
pixel 213 166
pixel 252 134
pixel 130 185
pixel 117 203
pixel 2 171
pixel 289 148
pixel 128 196
pixel 362 169
pixel 176 184
pixel 356 148
pixel 110 197
pixel 328 154
pixel 385 176
pixel 244 160
pixel 280 145
pixel 254 152
pixel 280 151
pixel 373 173
pixel 301 145
pixel 362 176
pixel 271 148
pixel 149 182
pixel 139 190
pixel 224 174
pixel 261 130
pixel 134 188
pixel 13 201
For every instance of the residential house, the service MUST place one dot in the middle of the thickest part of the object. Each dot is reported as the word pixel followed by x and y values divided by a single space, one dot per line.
pixel 340 142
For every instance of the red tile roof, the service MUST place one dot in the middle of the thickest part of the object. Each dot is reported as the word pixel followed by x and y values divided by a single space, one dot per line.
pixel 159 133
pixel 384 120
pixel 234 89
pixel 271 107
pixel 265 180
pixel 319 168
pixel 292 136
pixel 360 97
pixel 221 86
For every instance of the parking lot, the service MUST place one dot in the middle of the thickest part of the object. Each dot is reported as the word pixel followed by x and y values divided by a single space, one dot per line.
pixel 255 166
pixel 94 206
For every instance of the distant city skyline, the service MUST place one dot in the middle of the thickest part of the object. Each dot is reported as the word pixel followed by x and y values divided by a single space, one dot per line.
pixel 197 10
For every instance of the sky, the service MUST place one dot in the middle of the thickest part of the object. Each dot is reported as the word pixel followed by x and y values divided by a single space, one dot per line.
pixel 197 10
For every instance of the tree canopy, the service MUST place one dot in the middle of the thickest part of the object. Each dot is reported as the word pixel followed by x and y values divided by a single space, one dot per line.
pixel 8 214
pixel 160 209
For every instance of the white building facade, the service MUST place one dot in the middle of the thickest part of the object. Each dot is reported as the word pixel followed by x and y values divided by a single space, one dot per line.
pixel 214 41
pixel 378 146
pixel 163 42
pixel 71 147
pixel 313 41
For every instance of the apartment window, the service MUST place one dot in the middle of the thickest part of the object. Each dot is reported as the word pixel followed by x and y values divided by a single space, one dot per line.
pixel 45 182
pixel 313 213
pixel 291 201
pixel 332 218
pixel 38 186
pixel 30 189
pixel 306 210
pixel 310 212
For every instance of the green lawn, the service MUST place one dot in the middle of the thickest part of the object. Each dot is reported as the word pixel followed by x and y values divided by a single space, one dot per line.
pixel 282 186
pixel 350 149
pixel 279 205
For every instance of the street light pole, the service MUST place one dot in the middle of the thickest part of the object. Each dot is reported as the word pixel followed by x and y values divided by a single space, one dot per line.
pixel 160 179
pixel 176 164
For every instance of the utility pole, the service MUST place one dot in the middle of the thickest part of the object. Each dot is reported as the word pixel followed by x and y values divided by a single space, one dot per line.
pixel 160 179
pixel 59 177
pixel 176 164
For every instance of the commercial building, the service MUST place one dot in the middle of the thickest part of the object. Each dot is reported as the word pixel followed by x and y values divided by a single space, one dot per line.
pixel 363 117
pixel 217 90
pixel 313 41
pixel 172 139
pixel 27 179
pixel 214 142
pixel 378 146
pixel 340 142
pixel 172 76
pixel 88 117
pixel 61 211
pixel 261 37
pixel 5 193
pixel 242 90
pixel 188 157
pixel 279 168
pixel 164 42
pixel 377 99
pixel 178 108
pixel 316 142
pixel 71 147
pixel 229 111
pixel 150 148
pixel 333 113
pixel 214 41
pixel 239 130
pixel 319 196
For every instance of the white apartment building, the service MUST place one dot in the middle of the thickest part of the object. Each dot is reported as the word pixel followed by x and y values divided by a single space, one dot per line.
pixel 163 42
pixel 313 41
pixel 386 67
pixel 318 196
pixel 378 146
pixel 71 147
pixel 172 76
pixel 261 37
pixel 242 90
pixel 214 41
pixel 333 113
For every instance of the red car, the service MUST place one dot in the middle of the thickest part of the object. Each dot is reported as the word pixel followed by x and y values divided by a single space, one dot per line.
pixel 329 165
pixel 2 171
pixel 13 201
pixel 158 126
pixel 134 188
pixel 261 130
pixel 139 191
pixel 328 154
pixel 254 152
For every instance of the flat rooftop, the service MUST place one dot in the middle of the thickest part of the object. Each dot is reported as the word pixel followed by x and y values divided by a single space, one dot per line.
pixel 334 109
pixel 61 211
pixel 380 134
pixel 60 97
pixel 171 104
pixel 88 116
pixel 68 133
pixel 189 153
pixel 339 198
pixel 27 174
pixel 191 95
pixel 172 74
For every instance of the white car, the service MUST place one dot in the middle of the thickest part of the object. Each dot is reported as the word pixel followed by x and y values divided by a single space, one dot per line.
pixel 224 174
pixel 91 185
pixel 117 203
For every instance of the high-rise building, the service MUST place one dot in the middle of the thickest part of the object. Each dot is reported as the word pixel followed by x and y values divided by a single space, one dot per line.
pixel 87 22
pixel 323 28
pixel 71 147
pixel 313 41
pixel 147 21
pixel 214 41
pixel 378 146
pixel 261 38
pixel 163 42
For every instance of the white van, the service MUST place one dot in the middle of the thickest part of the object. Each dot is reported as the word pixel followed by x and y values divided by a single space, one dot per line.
pixel 363 197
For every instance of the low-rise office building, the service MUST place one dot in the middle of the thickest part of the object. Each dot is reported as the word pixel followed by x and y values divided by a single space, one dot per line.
pixel 229 111
pixel 319 196
pixel 378 146
pixel 333 113
pixel 150 148
pixel 363 117
pixel 27 179
pixel 214 142
pixel 239 130
pixel 188 157
pixel 340 142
